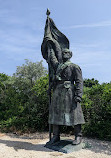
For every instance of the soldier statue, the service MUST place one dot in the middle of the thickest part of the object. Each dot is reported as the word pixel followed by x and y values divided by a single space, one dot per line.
pixel 65 80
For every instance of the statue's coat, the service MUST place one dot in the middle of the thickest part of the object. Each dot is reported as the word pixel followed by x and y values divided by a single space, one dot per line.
pixel 63 109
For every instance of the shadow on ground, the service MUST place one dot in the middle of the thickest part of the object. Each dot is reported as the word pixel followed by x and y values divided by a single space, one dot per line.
pixel 97 146
pixel 24 145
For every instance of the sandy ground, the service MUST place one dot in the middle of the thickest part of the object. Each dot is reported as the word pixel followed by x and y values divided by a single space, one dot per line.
pixel 32 146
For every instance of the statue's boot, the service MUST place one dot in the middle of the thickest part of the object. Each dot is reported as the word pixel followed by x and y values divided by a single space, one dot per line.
pixel 78 135
pixel 56 135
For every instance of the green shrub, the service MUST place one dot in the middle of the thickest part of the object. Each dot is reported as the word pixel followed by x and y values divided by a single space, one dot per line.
pixel 24 104
pixel 96 105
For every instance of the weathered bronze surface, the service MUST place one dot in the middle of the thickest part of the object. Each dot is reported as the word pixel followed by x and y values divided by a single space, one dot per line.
pixel 65 79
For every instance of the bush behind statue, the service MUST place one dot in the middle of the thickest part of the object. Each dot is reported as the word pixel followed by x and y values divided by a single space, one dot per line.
pixel 96 105
pixel 24 104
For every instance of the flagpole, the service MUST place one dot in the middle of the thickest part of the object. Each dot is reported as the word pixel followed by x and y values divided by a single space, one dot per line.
pixel 50 131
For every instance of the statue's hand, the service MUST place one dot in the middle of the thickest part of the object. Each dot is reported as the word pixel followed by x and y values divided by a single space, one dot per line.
pixel 77 99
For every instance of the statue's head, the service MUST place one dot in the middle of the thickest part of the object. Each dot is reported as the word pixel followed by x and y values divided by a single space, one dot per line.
pixel 66 54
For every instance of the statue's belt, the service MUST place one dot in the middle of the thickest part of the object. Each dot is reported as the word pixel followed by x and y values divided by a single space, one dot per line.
pixel 67 84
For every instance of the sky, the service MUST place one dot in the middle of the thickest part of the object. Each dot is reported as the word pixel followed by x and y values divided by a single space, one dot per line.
pixel 86 23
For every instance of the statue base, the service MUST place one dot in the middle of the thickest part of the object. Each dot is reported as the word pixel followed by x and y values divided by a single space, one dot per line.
pixel 66 146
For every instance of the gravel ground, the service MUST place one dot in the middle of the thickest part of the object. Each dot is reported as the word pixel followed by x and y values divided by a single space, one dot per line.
pixel 32 146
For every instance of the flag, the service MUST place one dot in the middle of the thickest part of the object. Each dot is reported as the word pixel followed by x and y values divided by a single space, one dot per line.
pixel 57 39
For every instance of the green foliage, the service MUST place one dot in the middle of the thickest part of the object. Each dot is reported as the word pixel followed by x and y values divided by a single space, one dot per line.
pixel 41 107
pixel 96 105
pixel 24 102
pixel 90 82
pixel 3 78
pixel 30 71
pixel 18 102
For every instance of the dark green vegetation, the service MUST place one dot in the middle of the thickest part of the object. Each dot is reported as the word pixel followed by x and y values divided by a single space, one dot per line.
pixel 24 102
pixel 96 105
pixel 23 97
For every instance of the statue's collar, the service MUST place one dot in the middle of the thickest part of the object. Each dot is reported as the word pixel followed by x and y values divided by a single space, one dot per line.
pixel 62 66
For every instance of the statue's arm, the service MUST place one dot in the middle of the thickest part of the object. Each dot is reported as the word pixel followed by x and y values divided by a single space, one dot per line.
pixel 53 62
pixel 52 57
pixel 78 84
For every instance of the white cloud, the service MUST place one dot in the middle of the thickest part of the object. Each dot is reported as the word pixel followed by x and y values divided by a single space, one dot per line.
pixel 91 25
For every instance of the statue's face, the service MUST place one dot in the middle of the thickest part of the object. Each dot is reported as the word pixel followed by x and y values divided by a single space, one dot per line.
pixel 66 55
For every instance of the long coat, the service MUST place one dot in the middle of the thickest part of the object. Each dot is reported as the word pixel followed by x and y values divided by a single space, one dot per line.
pixel 68 86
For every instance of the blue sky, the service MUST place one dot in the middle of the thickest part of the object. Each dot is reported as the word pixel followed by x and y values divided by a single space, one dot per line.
pixel 86 23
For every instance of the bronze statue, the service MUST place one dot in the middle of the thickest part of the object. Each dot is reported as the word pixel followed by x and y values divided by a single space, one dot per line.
pixel 65 80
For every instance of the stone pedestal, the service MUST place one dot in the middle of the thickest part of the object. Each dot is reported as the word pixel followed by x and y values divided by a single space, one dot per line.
pixel 66 146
